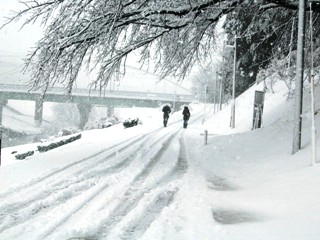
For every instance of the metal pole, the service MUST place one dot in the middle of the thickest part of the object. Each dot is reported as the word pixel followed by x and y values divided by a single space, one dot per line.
pixel 205 137
pixel 221 82
pixel 297 123
pixel 313 127
pixel 205 103
pixel 233 104
pixel 215 93
pixel 220 94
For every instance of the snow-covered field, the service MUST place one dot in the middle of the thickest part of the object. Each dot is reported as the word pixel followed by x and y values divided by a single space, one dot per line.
pixel 148 182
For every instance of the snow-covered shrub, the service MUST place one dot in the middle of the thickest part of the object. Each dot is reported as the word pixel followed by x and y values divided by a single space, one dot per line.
pixel 91 125
pixel 67 132
pixel 24 155
pixel 108 122
pixel 58 144
pixel 277 70
pixel 130 122
pixel 104 122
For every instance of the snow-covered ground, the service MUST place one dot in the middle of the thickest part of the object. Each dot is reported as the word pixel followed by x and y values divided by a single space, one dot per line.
pixel 148 182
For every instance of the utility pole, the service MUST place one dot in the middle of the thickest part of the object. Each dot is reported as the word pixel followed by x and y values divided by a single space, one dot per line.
pixel 313 127
pixel 233 103
pixel 297 123
pixel 215 97
pixel 221 82
pixel 205 102
pixel 220 94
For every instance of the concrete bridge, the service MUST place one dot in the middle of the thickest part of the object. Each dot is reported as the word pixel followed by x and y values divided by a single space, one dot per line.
pixel 85 99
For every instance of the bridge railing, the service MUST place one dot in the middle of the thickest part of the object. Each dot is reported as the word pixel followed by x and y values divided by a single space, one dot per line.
pixel 107 93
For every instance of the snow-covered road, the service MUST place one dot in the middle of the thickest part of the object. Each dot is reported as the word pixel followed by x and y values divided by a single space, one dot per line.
pixel 154 183
pixel 113 194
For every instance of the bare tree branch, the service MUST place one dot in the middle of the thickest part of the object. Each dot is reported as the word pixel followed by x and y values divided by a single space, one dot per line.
pixel 102 33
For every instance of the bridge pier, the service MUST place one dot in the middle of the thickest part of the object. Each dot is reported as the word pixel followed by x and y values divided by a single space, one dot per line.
pixel 110 111
pixel 38 112
pixel 178 106
pixel 84 111
pixel 3 102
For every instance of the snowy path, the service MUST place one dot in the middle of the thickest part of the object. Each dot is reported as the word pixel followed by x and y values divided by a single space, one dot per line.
pixel 114 194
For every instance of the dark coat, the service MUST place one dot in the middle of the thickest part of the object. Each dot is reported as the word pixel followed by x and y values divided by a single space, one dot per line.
pixel 166 110
pixel 186 114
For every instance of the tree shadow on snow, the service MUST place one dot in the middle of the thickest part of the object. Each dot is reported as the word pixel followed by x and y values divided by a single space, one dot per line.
pixel 224 216
pixel 220 184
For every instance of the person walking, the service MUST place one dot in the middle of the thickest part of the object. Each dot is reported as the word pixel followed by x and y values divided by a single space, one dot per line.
pixel 186 116
pixel 166 111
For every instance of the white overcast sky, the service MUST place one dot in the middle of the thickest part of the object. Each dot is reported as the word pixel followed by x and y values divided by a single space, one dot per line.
pixel 15 42
pixel 13 39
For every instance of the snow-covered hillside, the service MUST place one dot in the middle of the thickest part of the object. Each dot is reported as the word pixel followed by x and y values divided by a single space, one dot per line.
pixel 149 182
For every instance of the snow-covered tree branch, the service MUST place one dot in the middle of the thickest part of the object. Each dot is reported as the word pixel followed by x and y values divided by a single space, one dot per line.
pixel 102 33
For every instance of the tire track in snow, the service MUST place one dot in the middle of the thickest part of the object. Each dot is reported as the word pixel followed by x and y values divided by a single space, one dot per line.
pixel 60 222
pixel 152 211
pixel 99 158
pixel 19 213
pixel 59 181
pixel 135 194
pixel 39 180
pixel 141 223
pixel 62 171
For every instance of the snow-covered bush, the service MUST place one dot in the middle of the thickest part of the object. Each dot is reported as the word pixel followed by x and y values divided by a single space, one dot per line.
pixel 130 122
pixel 24 155
pixel 58 144
pixel 277 70
pixel 67 132
pixel 104 122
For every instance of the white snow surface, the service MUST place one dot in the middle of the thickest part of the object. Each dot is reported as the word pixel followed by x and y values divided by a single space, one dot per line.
pixel 154 183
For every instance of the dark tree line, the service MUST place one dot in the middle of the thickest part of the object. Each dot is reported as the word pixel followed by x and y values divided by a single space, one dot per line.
pixel 263 36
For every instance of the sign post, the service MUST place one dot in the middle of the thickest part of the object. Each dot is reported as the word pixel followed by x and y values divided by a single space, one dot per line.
pixel 258 109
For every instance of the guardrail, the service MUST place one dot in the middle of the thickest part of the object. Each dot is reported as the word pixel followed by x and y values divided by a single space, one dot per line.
pixel 60 92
